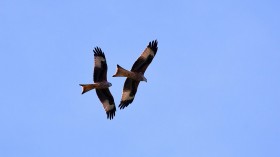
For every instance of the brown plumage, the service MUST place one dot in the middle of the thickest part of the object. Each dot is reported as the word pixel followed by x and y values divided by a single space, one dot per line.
pixel 101 84
pixel 136 74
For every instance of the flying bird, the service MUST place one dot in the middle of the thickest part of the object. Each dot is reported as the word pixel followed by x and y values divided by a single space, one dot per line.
pixel 101 84
pixel 136 74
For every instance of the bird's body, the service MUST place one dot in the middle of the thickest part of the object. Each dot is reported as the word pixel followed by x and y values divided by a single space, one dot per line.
pixel 101 84
pixel 121 72
pixel 97 85
pixel 136 74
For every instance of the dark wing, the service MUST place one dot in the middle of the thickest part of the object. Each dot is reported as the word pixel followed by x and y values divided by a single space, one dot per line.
pixel 129 91
pixel 142 63
pixel 107 100
pixel 100 66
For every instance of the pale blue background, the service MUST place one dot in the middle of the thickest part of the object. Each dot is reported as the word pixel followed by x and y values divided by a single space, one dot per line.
pixel 213 88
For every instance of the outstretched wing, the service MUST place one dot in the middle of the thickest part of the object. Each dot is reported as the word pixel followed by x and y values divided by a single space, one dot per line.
pixel 142 63
pixel 107 100
pixel 100 65
pixel 129 91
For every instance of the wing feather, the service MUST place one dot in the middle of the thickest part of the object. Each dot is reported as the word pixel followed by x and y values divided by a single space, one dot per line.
pixel 100 65
pixel 129 91
pixel 142 63
pixel 107 100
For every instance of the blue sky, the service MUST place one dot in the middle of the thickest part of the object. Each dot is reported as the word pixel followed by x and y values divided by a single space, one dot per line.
pixel 213 88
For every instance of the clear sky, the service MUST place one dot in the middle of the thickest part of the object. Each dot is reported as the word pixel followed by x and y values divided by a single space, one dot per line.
pixel 213 88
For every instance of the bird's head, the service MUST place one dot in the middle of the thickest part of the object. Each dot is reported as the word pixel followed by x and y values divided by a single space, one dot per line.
pixel 110 84
pixel 141 77
pixel 144 78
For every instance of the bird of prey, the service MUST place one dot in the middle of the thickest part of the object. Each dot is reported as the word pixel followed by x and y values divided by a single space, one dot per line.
pixel 136 74
pixel 101 84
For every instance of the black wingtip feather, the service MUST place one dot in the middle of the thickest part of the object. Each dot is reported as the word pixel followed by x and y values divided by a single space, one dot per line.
pixel 111 114
pixel 124 104
pixel 153 45
pixel 98 52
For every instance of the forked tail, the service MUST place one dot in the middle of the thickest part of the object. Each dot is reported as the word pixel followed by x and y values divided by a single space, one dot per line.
pixel 121 72
pixel 87 87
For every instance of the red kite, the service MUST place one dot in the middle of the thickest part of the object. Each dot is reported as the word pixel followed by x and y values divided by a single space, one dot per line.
pixel 136 74
pixel 100 83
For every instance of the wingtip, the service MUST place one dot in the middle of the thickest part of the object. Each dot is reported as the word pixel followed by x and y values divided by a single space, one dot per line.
pixel 111 114
pixel 124 104
pixel 98 52
pixel 153 45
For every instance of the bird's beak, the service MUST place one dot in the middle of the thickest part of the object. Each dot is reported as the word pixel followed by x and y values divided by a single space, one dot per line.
pixel 145 79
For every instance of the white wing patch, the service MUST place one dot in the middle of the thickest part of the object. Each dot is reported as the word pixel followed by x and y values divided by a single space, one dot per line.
pixel 107 106
pixel 147 52
pixel 98 60
pixel 151 52
pixel 126 95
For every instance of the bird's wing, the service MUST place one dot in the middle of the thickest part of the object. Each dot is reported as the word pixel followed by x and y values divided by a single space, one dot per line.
pixel 129 91
pixel 142 63
pixel 107 100
pixel 100 65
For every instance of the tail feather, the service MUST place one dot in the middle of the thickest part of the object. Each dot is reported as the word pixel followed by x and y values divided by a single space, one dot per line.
pixel 87 87
pixel 121 72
